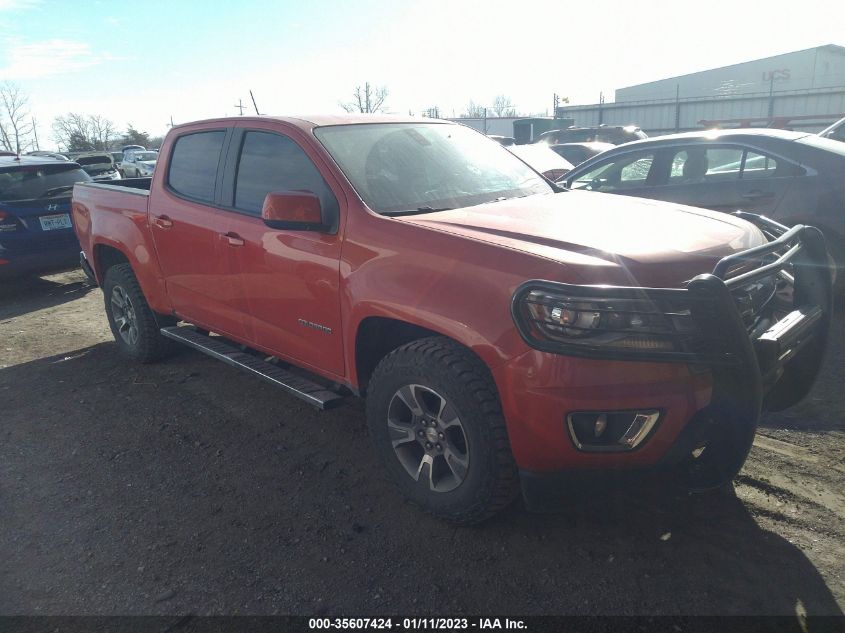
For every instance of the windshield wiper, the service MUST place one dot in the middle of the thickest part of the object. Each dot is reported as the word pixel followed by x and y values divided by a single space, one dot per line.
pixel 417 211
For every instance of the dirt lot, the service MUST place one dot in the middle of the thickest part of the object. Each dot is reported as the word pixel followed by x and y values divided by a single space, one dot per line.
pixel 187 487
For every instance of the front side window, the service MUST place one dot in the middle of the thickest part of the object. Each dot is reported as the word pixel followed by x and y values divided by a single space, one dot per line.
pixel 626 172
pixel 193 164
pixel 271 162
pixel 419 167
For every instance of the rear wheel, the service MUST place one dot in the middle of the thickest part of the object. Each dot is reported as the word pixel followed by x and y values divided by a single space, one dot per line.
pixel 132 322
pixel 434 414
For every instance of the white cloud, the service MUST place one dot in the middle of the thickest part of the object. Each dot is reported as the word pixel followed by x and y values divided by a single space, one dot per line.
pixel 52 57
pixel 13 5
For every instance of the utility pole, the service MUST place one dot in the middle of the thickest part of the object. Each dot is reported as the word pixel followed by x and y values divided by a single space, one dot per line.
pixel 240 106
pixel 556 104
pixel 254 105
pixel 601 104
pixel 677 107
pixel 772 96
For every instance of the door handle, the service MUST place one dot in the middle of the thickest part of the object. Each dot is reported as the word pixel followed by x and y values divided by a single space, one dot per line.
pixel 163 222
pixel 233 238
pixel 758 195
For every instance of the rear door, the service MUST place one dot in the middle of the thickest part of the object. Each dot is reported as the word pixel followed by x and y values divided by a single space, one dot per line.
pixel 726 178
pixel 290 279
pixel 190 232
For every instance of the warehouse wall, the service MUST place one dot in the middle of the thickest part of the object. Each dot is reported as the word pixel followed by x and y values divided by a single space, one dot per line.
pixel 821 67
pixel 664 116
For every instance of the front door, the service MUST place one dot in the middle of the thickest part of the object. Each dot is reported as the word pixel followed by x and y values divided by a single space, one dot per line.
pixel 725 178
pixel 290 280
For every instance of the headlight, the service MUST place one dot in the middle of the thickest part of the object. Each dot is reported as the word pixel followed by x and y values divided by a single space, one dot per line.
pixel 608 322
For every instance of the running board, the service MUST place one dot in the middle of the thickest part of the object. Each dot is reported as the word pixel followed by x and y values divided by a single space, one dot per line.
pixel 311 392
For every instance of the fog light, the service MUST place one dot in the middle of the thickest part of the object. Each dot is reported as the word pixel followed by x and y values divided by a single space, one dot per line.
pixel 601 425
pixel 608 431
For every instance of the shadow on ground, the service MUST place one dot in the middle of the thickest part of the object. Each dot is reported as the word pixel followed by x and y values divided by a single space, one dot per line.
pixel 29 294
pixel 186 487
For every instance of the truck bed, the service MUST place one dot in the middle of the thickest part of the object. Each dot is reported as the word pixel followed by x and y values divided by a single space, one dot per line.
pixel 139 186
pixel 114 217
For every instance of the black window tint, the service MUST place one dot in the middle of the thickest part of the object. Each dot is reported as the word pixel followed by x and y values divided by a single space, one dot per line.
pixel 27 182
pixel 193 164
pixel 270 162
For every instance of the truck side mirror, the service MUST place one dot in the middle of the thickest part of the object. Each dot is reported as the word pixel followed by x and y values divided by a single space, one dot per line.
pixel 295 210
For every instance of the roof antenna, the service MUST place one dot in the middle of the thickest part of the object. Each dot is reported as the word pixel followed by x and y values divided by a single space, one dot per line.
pixel 253 103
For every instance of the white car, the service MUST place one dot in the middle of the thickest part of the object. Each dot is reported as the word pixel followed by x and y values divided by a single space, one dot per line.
pixel 138 163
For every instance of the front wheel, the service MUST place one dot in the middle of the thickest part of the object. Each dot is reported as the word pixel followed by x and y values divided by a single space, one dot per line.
pixel 434 414
pixel 131 320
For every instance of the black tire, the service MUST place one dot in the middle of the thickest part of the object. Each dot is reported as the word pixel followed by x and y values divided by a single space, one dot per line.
pixel 134 326
pixel 438 366
pixel 718 457
pixel 836 248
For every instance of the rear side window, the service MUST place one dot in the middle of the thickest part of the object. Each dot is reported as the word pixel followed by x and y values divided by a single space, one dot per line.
pixel 193 164
pixel 271 162
pixel 759 166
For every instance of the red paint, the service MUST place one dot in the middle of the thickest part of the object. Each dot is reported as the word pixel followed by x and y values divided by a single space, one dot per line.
pixel 453 273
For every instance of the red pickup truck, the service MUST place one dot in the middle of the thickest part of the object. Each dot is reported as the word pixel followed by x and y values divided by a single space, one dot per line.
pixel 506 333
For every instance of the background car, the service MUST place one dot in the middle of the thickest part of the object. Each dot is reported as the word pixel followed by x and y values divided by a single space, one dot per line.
pixel 791 177
pixel 835 131
pixel 502 140
pixel 577 153
pixel 99 165
pixel 36 233
pixel 543 159
pixel 614 134
pixel 45 154
pixel 117 159
pixel 138 164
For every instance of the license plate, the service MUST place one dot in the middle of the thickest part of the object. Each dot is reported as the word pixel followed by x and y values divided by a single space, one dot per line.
pixel 53 222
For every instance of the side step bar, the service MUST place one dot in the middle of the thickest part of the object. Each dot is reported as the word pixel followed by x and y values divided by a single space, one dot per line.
pixel 311 392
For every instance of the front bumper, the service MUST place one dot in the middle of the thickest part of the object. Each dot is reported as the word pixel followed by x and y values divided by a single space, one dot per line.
pixel 742 373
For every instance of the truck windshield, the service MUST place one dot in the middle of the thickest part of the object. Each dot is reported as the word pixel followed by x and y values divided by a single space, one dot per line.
pixel 410 167
pixel 28 182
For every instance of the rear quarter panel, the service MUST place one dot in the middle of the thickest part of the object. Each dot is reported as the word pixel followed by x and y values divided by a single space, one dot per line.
pixel 116 217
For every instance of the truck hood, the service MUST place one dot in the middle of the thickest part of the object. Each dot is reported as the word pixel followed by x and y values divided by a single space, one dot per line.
pixel 605 238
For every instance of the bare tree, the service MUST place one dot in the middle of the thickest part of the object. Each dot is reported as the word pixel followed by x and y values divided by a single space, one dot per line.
pixel 473 111
pixel 76 132
pixel 503 106
pixel 16 122
pixel 103 132
pixel 367 98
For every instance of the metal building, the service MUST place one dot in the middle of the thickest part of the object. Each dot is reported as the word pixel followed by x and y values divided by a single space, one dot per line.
pixel 800 90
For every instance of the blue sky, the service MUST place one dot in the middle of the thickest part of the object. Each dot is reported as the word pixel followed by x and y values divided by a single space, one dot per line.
pixel 145 61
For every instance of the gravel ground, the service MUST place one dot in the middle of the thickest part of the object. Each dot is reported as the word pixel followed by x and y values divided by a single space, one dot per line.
pixel 188 487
